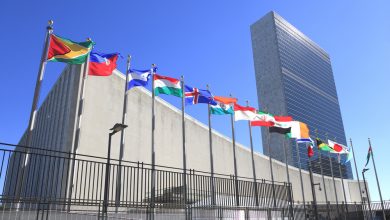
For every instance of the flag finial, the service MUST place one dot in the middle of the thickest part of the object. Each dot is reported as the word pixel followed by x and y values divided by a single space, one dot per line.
pixel 128 58
pixel 50 25
pixel 89 39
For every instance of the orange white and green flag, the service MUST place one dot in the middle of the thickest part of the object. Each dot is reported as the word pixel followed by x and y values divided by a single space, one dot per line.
pixel 68 51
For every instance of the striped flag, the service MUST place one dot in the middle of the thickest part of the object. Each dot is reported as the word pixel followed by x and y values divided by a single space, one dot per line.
pixel 167 85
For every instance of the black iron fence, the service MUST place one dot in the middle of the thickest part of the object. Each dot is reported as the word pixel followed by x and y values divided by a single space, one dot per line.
pixel 45 184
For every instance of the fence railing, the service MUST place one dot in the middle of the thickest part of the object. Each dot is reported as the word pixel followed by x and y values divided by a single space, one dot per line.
pixel 60 184
pixel 47 175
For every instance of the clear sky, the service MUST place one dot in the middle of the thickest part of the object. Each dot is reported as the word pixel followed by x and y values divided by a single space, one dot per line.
pixel 209 43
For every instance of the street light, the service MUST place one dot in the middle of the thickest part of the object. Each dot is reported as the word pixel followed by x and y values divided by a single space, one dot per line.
pixel 365 186
pixel 117 128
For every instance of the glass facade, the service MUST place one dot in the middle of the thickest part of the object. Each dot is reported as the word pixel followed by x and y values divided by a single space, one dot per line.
pixel 310 95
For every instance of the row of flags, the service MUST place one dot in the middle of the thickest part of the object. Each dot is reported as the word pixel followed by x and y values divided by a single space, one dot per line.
pixel 103 64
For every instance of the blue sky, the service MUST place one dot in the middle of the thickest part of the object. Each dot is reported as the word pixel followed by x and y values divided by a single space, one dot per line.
pixel 209 43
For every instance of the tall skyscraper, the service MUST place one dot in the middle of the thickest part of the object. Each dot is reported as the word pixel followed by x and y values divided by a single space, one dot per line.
pixel 294 77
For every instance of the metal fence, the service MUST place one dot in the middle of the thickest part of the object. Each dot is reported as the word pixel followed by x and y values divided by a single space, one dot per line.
pixel 45 184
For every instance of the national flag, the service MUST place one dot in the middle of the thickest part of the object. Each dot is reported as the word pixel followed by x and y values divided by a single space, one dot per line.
pixel 310 151
pixel 167 85
pixel 349 156
pixel 226 100
pixel 138 78
pixel 369 154
pixel 280 118
pixel 195 96
pixel 101 64
pixel 280 130
pixel 322 146
pixel 263 119
pixel 67 51
pixel 299 130
pixel 304 140
pixel 244 113
pixel 221 109
pixel 282 125
pixel 337 148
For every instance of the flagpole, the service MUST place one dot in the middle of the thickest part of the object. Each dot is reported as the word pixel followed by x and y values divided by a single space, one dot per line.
pixel 323 178
pixel 253 162
pixel 211 155
pixel 368 196
pixel 34 106
pixel 356 169
pixel 288 178
pixel 270 165
pixel 300 176
pixel 153 179
pixel 234 160
pixel 342 183
pixel 334 181
pixel 377 180
pixel 122 146
pixel 80 111
pixel 313 189
pixel 184 143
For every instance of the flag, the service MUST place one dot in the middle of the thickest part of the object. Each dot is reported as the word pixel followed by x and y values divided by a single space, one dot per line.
pixel 280 118
pixel 304 140
pixel 322 146
pixel 299 130
pixel 138 78
pixel 310 151
pixel 67 51
pixel 101 64
pixel 349 156
pixel 263 119
pixel 244 113
pixel 282 125
pixel 337 148
pixel 369 154
pixel 280 130
pixel 167 85
pixel 226 100
pixel 195 96
pixel 221 109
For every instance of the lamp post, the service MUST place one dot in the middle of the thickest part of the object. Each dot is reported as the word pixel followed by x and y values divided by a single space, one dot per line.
pixel 117 128
pixel 365 186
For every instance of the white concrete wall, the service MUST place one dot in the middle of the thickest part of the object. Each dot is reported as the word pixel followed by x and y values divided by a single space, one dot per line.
pixel 103 108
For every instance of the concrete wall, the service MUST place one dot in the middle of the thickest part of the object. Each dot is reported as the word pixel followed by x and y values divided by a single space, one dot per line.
pixel 103 108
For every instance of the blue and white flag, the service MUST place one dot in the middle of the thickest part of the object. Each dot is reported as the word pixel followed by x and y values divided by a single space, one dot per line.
pixel 304 140
pixel 195 96
pixel 138 78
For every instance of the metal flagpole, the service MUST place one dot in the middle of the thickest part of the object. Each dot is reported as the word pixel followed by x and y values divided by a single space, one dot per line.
pixel 184 144
pixel 234 160
pixel 342 184
pixel 368 196
pixel 300 176
pixel 122 145
pixel 288 178
pixel 253 162
pixel 334 181
pixel 377 180
pixel 323 178
pixel 153 179
pixel 34 106
pixel 211 156
pixel 270 165
pixel 80 111
pixel 356 170
pixel 313 190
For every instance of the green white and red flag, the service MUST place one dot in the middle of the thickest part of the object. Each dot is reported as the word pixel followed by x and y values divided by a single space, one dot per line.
pixel 167 85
